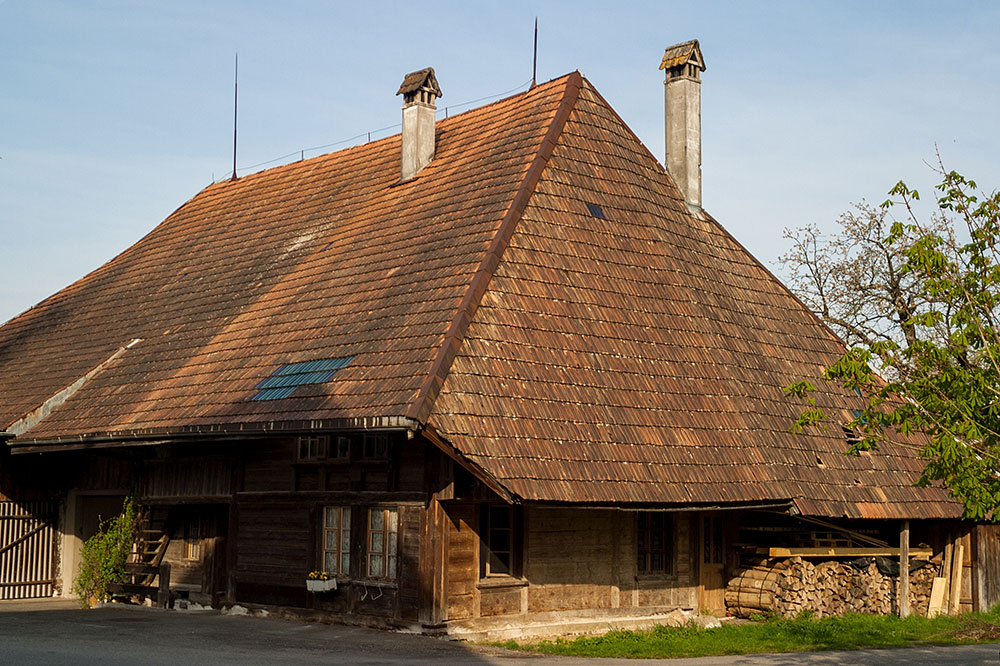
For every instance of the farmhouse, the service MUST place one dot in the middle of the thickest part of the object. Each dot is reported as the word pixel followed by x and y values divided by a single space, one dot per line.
pixel 499 367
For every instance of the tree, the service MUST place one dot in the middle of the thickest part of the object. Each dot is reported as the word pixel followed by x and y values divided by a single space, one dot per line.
pixel 926 340
pixel 857 280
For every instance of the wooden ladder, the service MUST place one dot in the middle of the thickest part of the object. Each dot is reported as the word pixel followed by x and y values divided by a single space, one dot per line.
pixel 145 562
pixel 151 541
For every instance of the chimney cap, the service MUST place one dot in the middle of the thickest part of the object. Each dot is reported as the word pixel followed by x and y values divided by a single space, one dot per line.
pixel 420 80
pixel 683 54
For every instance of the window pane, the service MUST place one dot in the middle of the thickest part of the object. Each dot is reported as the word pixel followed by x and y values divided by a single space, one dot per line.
pixel 332 512
pixel 331 540
pixel 345 540
pixel 376 542
pixel 392 543
pixel 377 520
pixel 393 520
pixel 374 565
pixel 499 517
pixel 657 561
pixel 330 562
pixel 345 563
pixel 500 540
pixel 390 571
pixel 499 563
pixel 346 517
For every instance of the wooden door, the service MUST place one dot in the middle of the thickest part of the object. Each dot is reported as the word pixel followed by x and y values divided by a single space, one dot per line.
pixel 713 578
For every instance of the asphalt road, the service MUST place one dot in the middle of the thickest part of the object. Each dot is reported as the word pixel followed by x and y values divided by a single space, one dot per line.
pixel 130 635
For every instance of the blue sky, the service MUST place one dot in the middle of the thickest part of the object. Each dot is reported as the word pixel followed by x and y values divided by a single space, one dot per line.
pixel 113 114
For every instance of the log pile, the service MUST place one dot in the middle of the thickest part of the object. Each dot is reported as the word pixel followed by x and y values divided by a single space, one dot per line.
pixel 789 586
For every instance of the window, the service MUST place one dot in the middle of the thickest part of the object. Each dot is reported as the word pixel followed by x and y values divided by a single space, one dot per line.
pixel 596 211
pixel 283 381
pixel 192 538
pixel 342 449
pixel 376 445
pixel 712 536
pixel 383 528
pixel 654 543
pixel 500 550
pixel 337 540
pixel 312 448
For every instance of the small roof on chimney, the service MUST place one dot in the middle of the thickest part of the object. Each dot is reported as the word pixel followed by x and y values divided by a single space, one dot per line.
pixel 414 81
pixel 682 54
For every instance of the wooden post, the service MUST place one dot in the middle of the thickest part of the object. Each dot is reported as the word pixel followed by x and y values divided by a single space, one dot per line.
pixel 163 591
pixel 904 569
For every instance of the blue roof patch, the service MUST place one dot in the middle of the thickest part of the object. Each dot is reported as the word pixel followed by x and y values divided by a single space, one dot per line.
pixel 283 381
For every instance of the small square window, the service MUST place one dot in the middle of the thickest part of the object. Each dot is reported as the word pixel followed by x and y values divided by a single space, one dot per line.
pixel 312 448
pixel 376 445
pixel 596 211
pixel 342 449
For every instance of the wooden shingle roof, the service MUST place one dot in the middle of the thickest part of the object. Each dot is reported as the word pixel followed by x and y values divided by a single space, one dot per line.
pixel 539 297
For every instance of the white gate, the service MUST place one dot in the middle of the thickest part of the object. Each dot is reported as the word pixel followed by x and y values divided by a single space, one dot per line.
pixel 27 537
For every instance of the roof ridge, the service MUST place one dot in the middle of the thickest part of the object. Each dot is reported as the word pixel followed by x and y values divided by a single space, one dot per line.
pixel 371 143
pixel 421 407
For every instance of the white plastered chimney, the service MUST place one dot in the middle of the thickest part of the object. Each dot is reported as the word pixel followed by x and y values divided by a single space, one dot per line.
pixel 683 65
pixel 420 92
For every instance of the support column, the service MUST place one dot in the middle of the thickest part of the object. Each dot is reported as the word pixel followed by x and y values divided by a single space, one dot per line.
pixel 904 569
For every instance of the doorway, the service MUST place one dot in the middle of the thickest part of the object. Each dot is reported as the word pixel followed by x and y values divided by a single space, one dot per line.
pixel 712 583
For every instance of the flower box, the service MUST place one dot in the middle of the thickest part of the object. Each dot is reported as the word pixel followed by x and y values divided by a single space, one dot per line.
pixel 321 585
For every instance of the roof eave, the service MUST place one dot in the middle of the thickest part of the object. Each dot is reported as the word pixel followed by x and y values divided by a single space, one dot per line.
pixel 237 431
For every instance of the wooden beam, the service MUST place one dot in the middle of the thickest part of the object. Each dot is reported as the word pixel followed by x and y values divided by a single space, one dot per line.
pixel 904 569
pixel 842 552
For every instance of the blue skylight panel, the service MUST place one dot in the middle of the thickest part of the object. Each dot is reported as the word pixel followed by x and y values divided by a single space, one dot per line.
pixel 283 381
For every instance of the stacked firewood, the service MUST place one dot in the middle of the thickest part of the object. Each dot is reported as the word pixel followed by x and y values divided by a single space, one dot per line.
pixel 789 586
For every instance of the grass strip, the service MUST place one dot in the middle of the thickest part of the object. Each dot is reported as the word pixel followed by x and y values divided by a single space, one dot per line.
pixel 804 633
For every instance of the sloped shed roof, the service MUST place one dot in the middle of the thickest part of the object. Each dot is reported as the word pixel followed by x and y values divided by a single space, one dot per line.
pixel 625 351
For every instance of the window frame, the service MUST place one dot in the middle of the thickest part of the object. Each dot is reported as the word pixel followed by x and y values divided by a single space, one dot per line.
pixel 311 448
pixel 192 539
pixel 340 530
pixel 511 527
pixel 645 531
pixel 389 538
pixel 375 446
pixel 339 449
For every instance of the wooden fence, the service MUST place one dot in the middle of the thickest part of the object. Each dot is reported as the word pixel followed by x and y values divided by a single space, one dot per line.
pixel 27 541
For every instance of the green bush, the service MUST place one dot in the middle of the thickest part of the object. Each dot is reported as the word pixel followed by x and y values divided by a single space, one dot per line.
pixel 103 556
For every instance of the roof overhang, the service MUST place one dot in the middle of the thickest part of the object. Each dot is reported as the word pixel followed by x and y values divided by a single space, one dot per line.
pixel 225 432
pixel 780 506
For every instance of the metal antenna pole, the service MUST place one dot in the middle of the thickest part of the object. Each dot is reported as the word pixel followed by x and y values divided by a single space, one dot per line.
pixel 534 58
pixel 236 89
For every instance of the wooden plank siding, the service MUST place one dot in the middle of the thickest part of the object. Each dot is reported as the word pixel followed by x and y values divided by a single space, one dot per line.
pixel 573 559
pixel 987 569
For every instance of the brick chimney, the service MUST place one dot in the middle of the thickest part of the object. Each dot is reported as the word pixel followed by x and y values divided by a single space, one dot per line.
pixel 419 90
pixel 682 102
